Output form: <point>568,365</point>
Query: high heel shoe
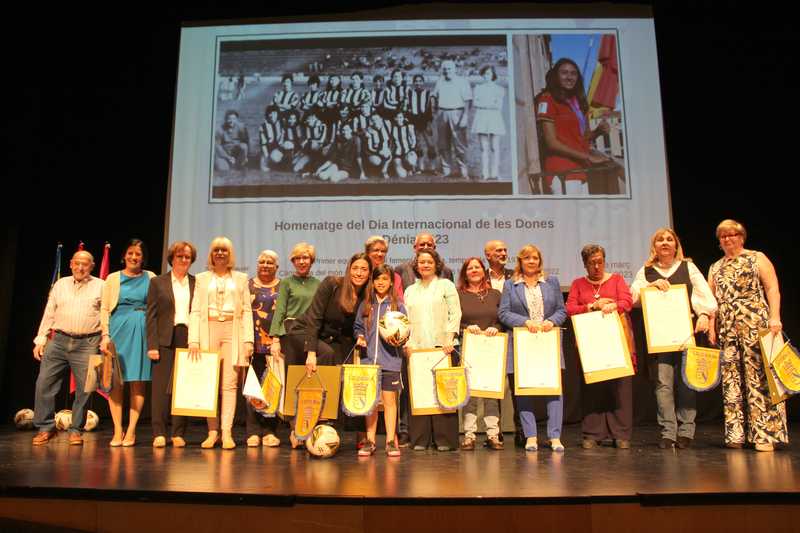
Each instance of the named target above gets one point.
<point>227,441</point>
<point>211,440</point>
<point>128,442</point>
<point>116,443</point>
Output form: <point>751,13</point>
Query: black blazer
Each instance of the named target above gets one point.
<point>161,310</point>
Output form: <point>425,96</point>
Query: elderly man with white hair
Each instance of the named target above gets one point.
<point>453,96</point>
<point>72,317</point>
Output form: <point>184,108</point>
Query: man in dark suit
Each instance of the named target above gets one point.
<point>169,301</point>
<point>423,241</point>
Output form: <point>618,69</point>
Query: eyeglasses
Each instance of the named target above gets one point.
<point>729,236</point>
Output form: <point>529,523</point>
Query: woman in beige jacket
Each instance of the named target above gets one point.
<point>221,321</point>
<point>122,319</point>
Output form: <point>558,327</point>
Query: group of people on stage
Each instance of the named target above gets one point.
<point>346,130</point>
<point>301,320</point>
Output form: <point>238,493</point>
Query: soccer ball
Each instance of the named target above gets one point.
<point>63,419</point>
<point>394,328</point>
<point>91,421</point>
<point>24,419</point>
<point>323,442</point>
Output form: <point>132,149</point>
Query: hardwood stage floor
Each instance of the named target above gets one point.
<point>282,476</point>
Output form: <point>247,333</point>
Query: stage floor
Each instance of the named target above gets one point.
<point>285,477</point>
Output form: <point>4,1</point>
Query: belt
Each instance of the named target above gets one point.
<point>221,318</point>
<point>451,108</point>
<point>78,336</point>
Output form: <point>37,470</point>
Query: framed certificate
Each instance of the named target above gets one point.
<point>485,360</point>
<point>602,346</point>
<point>421,382</point>
<point>667,319</point>
<point>331,378</point>
<point>195,384</point>
<point>771,345</point>
<point>537,362</point>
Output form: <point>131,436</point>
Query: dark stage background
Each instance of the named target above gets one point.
<point>88,106</point>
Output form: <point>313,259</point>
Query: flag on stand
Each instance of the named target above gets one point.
<point>57,267</point>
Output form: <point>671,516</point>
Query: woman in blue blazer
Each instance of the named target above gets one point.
<point>533,300</point>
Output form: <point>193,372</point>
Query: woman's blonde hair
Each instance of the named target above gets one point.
<point>524,252</point>
<point>731,225</point>
<point>678,248</point>
<point>303,248</point>
<point>221,242</point>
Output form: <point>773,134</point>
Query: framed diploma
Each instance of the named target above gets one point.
<point>421,382</point>
<point>537,362</point>
<point>331,378</point>
<point>771,346</point>
<point>602,346</point>
<point>195,384</point>
<point>667,319</point>
<point>485,361</point>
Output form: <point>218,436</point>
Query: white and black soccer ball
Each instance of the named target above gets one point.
<point>24,419</point>
<point>394,328</point>
<point>91,421</point>
<point>63,419</point>
<point>323,442</point>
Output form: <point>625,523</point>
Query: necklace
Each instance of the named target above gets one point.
<point>595,288</point>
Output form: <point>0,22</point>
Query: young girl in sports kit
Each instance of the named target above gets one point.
<point>380,299</point>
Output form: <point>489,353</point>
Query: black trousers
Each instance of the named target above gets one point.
<point>258,424</point>
<point>161,387</point>
<point>426,430</point>
<point>608,409</point>
<point>330,352</point>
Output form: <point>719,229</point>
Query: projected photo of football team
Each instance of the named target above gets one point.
<point>570,130</point>
<point>378,116</point>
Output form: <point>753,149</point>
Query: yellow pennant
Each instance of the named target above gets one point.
<point>700,368</point>
<point>787,367</point>
<point>360,389</point>
<point>452,388</point>
<point>271,389</point>
<point>309,406</point>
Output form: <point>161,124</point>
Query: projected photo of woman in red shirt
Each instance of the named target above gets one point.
<point>561,111</point>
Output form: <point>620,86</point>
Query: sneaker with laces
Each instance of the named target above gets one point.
<point>392,450</point>
<point>367,449</point>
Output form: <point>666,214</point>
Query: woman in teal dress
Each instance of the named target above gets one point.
<point>122,317</point>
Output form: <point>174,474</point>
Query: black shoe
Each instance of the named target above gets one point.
<point>684,442</point>
<point>666,444</point>
<point>402,440</point>
<point>519,440</point>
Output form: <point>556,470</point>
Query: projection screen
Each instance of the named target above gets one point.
<point>290,132</point>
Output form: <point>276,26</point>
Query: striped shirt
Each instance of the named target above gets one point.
<point>269,133</point>
<point>311,100</point>
<point>72,307</point>
<point>292,134</point>
<point>377,140</point>
<point>332,98</point>
<point>317,133</point>
<point>335,130</point>
<point>360,123</point>
<point>286,100</point>
<point>404,139</point>
<point>394,97</point>
<point>377,98</point>
<point>419,103</point>
<point>356,97</point>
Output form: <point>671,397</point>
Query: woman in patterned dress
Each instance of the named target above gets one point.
<point>263,299</point>
<point>746,288</point>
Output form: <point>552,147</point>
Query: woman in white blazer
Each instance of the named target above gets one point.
<point>221,321</point>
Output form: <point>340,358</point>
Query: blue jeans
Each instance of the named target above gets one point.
<point>555,415</point>
<point>59,353</point>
